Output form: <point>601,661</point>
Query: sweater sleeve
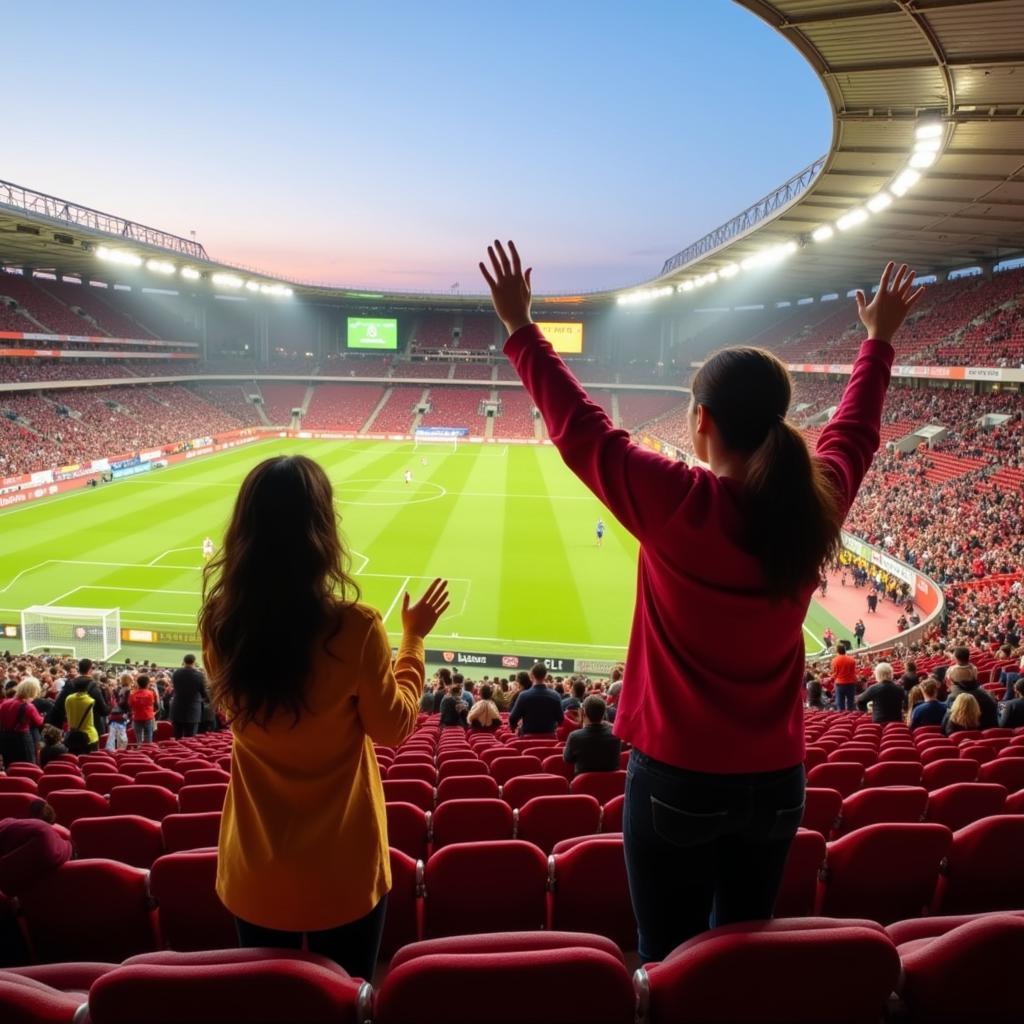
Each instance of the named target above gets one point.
<point>641,488</point>
<point>849,441</point>
<point>389,694</point>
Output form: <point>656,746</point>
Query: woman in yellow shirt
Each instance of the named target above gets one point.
<point>306,675</point>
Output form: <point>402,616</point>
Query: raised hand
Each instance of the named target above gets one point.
<point>510,287</point>
<point>884,314</point>
<point>419,619</point>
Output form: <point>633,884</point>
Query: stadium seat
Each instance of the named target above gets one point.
<point>127,838</point>
<point>939,774</point>
<point>821,810</point>
<point>114,893</point>
<point>425,772</point>
<point>161,777</point>
<point>907,754</point>
<point>581,982</point>
<point>1006,771</point>
<point>958,805</point>
<point>1015,803</point>
<point>150,801</point>
<point>883,872</point>
<point>519,790</point>
<point>798,891</point>
<point>863,756</point>
<point>982,870</point>
<point>58,766</point>
<point>938,752</point>
<point>202,776</point>
<point>46,993</point>
<point>882,803</point>
<point>71,804</point>
<point>52,783</point>
<point>105,782</point>
<point>949,976</point>
<point>843,776</point>
<point>611,814</point>
<point>602,786</point>
<point>546,819</point>
<point>231,986</point>
<point>191,915</point>
<point>485,887</point>
<point>17,805</point>
<point>413,791</point>
<point>467,787</point>
<point>466,821</point>
<point>401,921</point>
<point>14,784</point>
<point>556,764</point>
<point>408,829</point>
<point>700,981</point>
<point>590,891</point>
<point>893,773</point>
<point>25,771</point>
<point>508,767</point>
<point>208,797</point>
<point>190,831</point>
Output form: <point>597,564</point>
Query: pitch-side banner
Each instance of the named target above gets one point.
<point>992,373</point>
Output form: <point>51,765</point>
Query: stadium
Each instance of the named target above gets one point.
<point>142,382</point>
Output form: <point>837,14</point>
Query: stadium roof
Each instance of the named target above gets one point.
<point>888,67</point>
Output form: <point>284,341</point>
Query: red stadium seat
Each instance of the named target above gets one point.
<point>1006,771</point>
<point>699,981</point>
<point>958,805</point>
<point>161,777</point>
<point>116,891</point>
<point>202,776</point>
<point>843,776</point>
<point>17,805</point>
<point>190,831</point>
<point>508,767</point>
<point>401,920</point>
<point>150,801</point>
<point>46,993</point>
<point>939,774</point>
<point>408,829</point>
<point>611,814</point>
<point>127,838</point>
<point>425,772</point>
<point>461,767</point>
<point>982,871</point>
<point>413,791</point>
<point>208,797</point>
<point>191,914</point>
<point>14,784</point>
<point>519,790</point>
<point>580,983</point>
<point>798,891</point>
<point>1015,803</point>
<point>461,895</point>
<point>546,819</point>
<point>603,786</point>
<point>71,804</point>
<point>882,803</point>
<point>467,787</point>
<point>854,880</point>
<point>51,783</point>
<point>556,764</point>
<point>25,771</point>
<point>594,865</point>
<point>853,755</point>
<point>821,810</point>
<point>105,782</point>
<point>893,773</point>
<point>467,821</point>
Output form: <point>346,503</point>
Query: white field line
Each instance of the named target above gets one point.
<point>395,599</point>
<point>171,551</point>
<point>817,640</point>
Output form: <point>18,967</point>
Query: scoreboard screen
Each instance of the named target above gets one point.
<point>564,337</point>
<point>372,334</point>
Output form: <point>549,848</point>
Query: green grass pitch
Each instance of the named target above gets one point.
<point>509,526</point>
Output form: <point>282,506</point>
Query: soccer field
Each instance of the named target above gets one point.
<point>509,526</point>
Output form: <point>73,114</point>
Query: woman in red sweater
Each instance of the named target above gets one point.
<point>715,786</point>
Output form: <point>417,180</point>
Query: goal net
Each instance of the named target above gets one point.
<point>85,632</point>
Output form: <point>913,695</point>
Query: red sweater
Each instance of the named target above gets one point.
<point>714,674</point>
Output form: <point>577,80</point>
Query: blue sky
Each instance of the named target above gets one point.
<point>382,144</point>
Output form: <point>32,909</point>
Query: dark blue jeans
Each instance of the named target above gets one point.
<point>354,946</point>
<point>845,694</point>
<point>704,850</point>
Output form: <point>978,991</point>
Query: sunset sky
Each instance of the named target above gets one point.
<point>382,144</point>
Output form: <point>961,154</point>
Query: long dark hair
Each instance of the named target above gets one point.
<point>794,514</point>
<point>275,585</point>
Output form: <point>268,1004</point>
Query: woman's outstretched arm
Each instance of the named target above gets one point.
<point>642,489</point>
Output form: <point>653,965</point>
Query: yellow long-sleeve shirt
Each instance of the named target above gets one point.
<point>303,838</point>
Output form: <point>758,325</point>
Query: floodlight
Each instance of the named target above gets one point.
<point>928,146</point>
<point>879,202</point>
<point>905,182</point>
<point>923,159</point>
<point>929,130</point>
<point>822,234</point>
<point>190,273</point>
<point>253,286</point>
<point>128,259</point>
<point>852,219</point>
<point>226,281</point>
<point>160,266</point>
<point>729,270</point>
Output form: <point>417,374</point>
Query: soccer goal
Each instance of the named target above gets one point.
<point>85,632</point>
<point>438,442</point>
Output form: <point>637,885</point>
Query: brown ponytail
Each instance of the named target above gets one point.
<point>793,511</point>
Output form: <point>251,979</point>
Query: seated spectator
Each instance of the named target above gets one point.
<point>484,713</point>
<point>815,694</point>
<point>1008,677</point>
<point>910,677</point>
<point>1012,715</point>
<point>18,715</point>
<point>53,745</point>
<point>964,714</point>
<point>593,748</point>
<point>453,708</point>
<point>614,690</point>
<point>537,708</point>
<point>931,710</point>
<point>887,699</point>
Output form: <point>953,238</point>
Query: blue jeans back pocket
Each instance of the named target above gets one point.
<point>687,828</point>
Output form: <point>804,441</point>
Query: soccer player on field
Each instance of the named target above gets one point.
<point>600,532</point>
<point>207,549</point>
<point>408,476</point>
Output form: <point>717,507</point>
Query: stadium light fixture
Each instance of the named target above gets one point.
<point>822,234</point>
<point>729,270</point>
<point>923,159</point>
<point>879,202</point>
<point>631,298</point>
<point>686,286</point>
<point>128,259</point>
<point>929,130</point>
<point>905,182</point>
<point>226,281</point>
<point>160,267</point>
<point>852,219</point>
<point>928,146</point>
<point>252,286</point>
<point>190,273</point>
